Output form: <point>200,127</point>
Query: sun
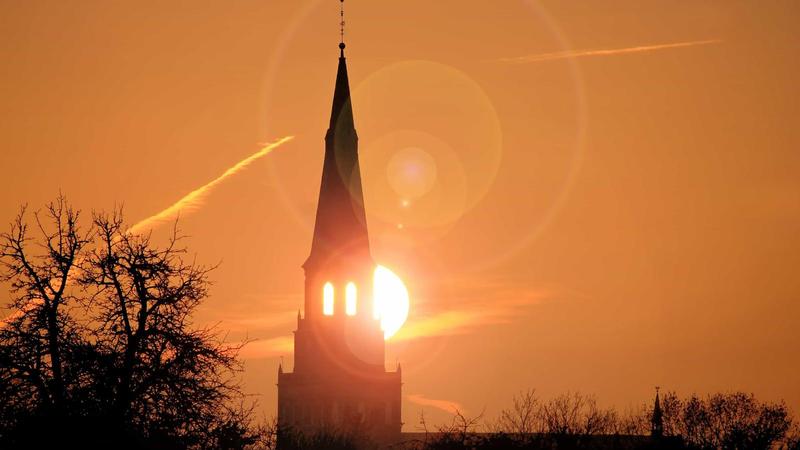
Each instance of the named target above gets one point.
<point>391,301</point>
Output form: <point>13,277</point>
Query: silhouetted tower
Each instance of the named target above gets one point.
<point>339,381</point>
<point>657,420</point>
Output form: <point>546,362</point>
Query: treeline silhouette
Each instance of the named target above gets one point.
<point>575,421</point>
<point>97,349</point>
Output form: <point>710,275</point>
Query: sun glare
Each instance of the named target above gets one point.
<point>391,301</point>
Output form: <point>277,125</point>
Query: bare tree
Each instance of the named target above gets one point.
<point>163,374</point>
<point>100,350</point>
<point>576,414</point>
<point>460,433</point>
<point>634,421</point>
<point>735,420</point>
<point>672,411</point>
<point>524,417</point>
<point>792,439</point>
<point>36,337</point>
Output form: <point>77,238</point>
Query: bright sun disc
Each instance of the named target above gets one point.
<point>391,301</point>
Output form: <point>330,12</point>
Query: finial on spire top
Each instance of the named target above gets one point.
<point>341,29</point>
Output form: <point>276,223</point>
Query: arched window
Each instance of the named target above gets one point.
<point>350,295</point>
<point>327,299</point>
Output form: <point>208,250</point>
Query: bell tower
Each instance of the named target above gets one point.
<point>339,383</point>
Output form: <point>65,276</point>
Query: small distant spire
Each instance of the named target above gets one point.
<point>341,29</point>
<point>657,419</point>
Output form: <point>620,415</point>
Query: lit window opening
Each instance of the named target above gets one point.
<point>327,299</point>
<point>350,299</point>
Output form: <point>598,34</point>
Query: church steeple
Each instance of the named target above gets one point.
<point>657,419</point>
<point>339,379</point>
<point>340,231</point>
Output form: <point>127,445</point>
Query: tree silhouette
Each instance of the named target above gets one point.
<point>39,339</point>
<point>525,416</point>
<point>735,421</point>
<point>577,414</point>
<point>100,349</point>
<point>163,375</point>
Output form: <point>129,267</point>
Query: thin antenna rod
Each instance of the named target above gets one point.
<point>341,24</point>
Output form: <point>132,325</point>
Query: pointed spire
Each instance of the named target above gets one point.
<point>340,230</point>
<point>342,110</point>
<point>657,420</point>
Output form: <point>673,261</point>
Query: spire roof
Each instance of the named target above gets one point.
<point>342,110</point>
<point>340,231</point>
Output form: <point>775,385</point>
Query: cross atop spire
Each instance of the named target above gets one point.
<point>341,25</point>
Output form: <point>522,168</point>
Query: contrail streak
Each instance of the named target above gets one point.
<point>194,199</point>
<point>604,52</point>
<point>33,303</point>
<point>445,405</point>
<point>190,202</point>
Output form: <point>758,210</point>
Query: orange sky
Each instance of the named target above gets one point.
<point>608,196</point>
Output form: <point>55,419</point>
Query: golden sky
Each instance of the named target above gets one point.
<point>606,195</point>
